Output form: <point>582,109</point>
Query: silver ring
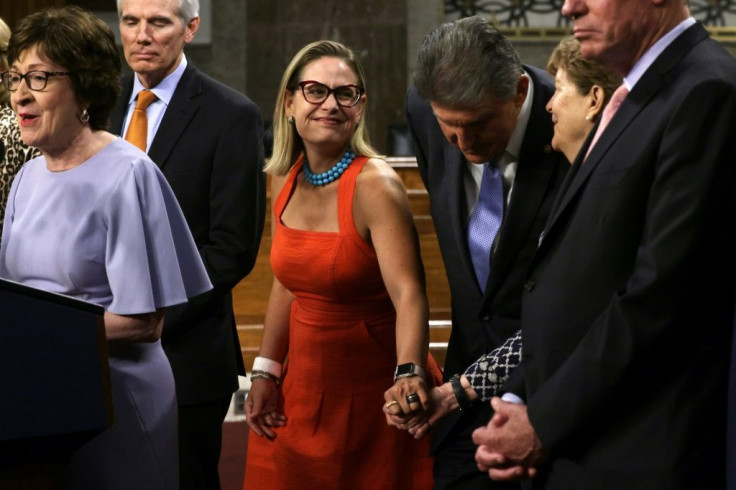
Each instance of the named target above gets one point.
<point>412,398</point>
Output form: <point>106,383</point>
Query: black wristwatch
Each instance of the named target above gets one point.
<point>408,370</point>
<point>463,400</point>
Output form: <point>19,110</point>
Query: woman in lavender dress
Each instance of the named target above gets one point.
<point>93,218</point>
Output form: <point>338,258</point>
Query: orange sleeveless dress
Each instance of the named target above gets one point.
<point>342,355</point>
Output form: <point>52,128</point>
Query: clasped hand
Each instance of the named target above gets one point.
<point>418,424</point>
<point>408,404</point>
<point>508,447</point>
<point>261,408</point>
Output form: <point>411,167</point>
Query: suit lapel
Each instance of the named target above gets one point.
<point>536,165</point>
<point>454,199</point>
<point>178,114</point>
<point>532,179</point>
<point>632,105</point>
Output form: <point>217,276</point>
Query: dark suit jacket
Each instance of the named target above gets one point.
<point>628,312</point>
<point>442,166</point>
<point>209,147</point>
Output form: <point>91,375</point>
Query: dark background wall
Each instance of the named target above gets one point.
<point>375,30</point>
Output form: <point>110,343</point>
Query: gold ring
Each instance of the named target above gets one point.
<point>391,403</point>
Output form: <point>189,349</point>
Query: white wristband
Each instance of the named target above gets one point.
<point>267,365</point>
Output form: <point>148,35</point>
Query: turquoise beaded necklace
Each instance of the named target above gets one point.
<point>330,175</point>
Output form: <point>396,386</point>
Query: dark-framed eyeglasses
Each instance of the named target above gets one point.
<point>316,93</point>
<point>36,79</point>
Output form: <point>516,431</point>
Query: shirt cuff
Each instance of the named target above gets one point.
<point>511,398</point>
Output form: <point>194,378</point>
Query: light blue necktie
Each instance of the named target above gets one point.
<point>485,222</point>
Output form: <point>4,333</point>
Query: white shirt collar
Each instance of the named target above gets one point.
<point>650,56</point>
<point>513,147</point>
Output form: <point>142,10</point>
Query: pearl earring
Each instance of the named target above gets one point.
<point>291,119</point>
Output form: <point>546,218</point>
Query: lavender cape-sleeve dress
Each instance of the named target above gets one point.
<point>111,232</point>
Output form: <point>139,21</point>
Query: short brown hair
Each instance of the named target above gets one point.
<point>81,43</point>
<point>581,72</point>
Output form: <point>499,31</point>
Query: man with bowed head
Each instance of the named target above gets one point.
<point>628,312</point>
<point>206,138</point>
<point>481,135</point>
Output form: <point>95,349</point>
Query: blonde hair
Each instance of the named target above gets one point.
<point>287,144</point>
<point>4,39</point>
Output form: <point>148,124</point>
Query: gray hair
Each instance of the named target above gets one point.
<point>460,63</point>
<point>186,10</point>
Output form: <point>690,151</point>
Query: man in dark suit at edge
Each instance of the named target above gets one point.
<point>627,314</point>
<point>474,103</point>
<point>207,140</point>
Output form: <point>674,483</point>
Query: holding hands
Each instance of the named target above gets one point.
<point>442,403</point>
<point>443,400</point>
<point>407,401</point>
<point>508,447</point>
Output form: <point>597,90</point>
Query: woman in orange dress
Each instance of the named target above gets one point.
<point>348,304</point>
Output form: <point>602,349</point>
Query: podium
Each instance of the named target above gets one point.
<point>54,378</point>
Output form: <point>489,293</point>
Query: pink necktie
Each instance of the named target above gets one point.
<point>616,99</point>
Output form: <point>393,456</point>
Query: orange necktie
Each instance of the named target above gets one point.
<point>138,127</point>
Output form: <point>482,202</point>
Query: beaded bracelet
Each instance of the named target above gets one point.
<point>263,375</point>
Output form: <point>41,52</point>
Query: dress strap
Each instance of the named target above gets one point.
<point>287,190</point>
<point>345,193</point>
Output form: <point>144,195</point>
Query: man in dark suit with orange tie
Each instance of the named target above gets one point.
<point>482,141</point>
<point>628,308</point>
<point>207,140</point>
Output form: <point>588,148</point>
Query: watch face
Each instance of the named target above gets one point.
<point>405,369</point>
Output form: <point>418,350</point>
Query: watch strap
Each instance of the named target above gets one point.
<point>463,400</point>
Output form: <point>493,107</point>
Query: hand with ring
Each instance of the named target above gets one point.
<point>412,398</point>
<point>407,402</point>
